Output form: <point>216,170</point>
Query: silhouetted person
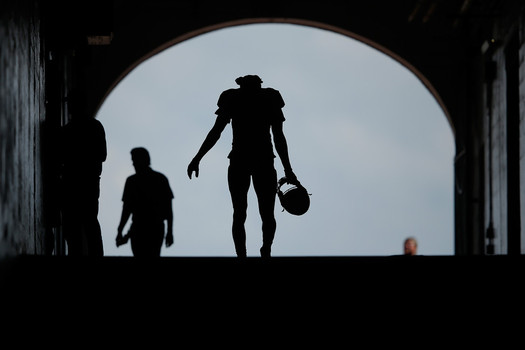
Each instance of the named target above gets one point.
<point>253,112</point>
<point>410,246</point>
<point>147,196</point>
<point>83,150</point>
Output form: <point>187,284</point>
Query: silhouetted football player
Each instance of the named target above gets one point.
<point>254,113</point>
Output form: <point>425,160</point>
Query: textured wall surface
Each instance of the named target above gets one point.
<point>21,114</point>
<point>496,164</point>
<point>521,132</point>
<point>498,156</point>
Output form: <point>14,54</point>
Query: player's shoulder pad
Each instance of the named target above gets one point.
<point>226,96</point>
<point>275,95</point>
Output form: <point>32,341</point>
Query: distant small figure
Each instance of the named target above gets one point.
<point>148,197</point>
<point>410,246</point>
<point>83,150</point>
<point>255,114</point>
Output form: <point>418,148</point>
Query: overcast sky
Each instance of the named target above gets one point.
<point>365,137</point>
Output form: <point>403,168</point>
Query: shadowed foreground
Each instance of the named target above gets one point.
<point>304,296</point>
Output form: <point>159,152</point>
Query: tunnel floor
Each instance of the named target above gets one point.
<point>330,276</point>
<point>312,297</point>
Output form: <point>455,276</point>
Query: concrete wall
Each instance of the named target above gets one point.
<point>496,163</point>
<point>504,166</point>
<point>21,115</point>
<point>521,129</point>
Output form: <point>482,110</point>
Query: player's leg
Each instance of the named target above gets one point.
<point>265,185</point>
<point>239,183</point>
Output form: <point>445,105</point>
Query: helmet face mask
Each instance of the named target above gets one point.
<point>294,200</point>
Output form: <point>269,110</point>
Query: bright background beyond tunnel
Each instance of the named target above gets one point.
<point>366,138</point>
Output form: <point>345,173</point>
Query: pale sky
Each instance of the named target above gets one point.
<point>365,137</point>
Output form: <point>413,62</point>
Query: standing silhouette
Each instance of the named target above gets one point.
<point>83,150</point>
<point>253,112</point>
<point>147,196</point>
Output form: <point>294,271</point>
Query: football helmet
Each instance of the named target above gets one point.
<point>296,199</point>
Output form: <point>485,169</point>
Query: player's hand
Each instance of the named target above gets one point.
<point>120,239</point>
<point>290,177</point>
<point>169,239</point>
<point>193,167</point>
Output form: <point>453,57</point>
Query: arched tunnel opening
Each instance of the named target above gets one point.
<point>467,56</point>
<point>366,137</point>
